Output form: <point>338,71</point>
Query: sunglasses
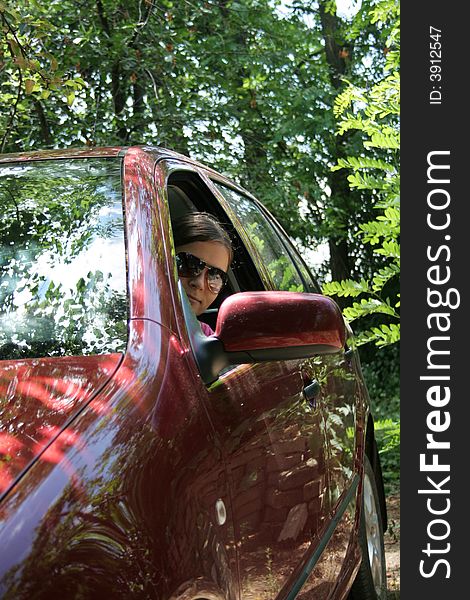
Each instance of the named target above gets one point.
<point>189,265</point>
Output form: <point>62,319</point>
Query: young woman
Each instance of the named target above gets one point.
<point>203,255</point>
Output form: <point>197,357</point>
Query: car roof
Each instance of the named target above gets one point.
<point>157,153</point>
<point>93,152</point>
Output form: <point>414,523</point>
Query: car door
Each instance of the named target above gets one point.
<point>326,420</point>
<point>271,435</point>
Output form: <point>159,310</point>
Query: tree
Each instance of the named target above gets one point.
<point>375,113</point>
<point>30,74</point>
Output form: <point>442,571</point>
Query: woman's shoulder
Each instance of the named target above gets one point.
<point>206,329</point>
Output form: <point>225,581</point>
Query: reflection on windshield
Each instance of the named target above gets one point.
<point>62,259</point>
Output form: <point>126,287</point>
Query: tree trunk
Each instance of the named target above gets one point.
<point>337,57</point>
<point>43,123</point>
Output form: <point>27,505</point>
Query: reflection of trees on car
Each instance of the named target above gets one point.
<point>115,514</point>
<point>91,518</point>
<point>280,269</point>
<point>58,296</point>
<point>87,320</point>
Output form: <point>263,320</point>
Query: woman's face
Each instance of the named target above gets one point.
<point>214,254</point>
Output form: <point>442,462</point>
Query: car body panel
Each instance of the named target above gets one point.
<point>277,469</point>
<point>150,295</point>
<point>324,572</point>
<point>39,397</point>
<point>140,465</point>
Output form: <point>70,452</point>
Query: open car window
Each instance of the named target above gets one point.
<point>187,192</point>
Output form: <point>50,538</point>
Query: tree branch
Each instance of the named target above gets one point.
<point>102,17</point>
<point>20,85</point>
<point>45,130</point>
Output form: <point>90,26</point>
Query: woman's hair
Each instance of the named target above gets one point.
<point>200,227</point>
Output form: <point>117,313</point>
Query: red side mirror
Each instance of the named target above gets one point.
<point>272,321</point>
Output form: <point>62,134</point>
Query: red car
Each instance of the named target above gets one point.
<point>140,458</point>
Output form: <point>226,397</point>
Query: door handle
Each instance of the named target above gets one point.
<point>311,392</point>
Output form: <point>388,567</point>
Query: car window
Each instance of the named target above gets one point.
<point>62,259</point>
<point>187,192</point>
<point>307,277</point>
<point>274,256</point>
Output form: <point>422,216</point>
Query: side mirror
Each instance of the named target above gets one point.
<point>280,325</point>
<point>261,326</point>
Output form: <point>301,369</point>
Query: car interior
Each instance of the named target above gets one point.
<point>188,193</point>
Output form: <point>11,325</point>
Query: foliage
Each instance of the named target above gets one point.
<point>30,71</point>
<point>388,439</point>
<point>374,112</point>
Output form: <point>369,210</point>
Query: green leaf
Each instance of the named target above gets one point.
<point>384,275</point>
<point>366,307</point>
<point>347,287</point>
<point>363,162</point>
<point>390,141</point>
<point>29,85</point>
<point>390,249</point>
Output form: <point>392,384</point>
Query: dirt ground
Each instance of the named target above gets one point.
<point>392,547</point>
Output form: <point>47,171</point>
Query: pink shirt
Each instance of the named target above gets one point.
<point>206,330</point>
